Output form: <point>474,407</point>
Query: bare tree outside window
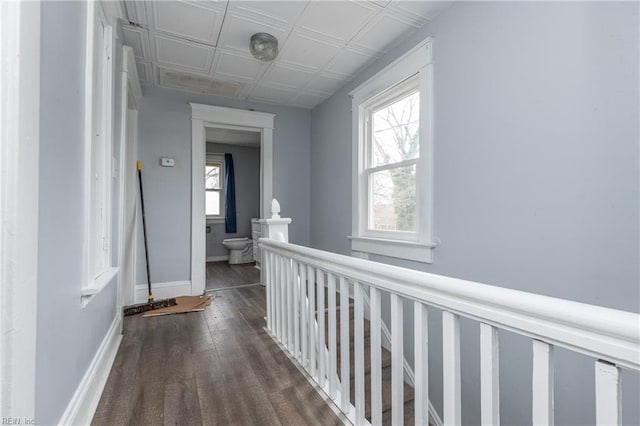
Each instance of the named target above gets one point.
<point>213,188</point>
<point>395,150</point>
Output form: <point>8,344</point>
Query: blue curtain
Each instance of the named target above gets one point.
<point>229,196</point>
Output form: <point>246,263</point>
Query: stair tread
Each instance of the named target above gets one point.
<point>386,359</point>
<point>409,394</point>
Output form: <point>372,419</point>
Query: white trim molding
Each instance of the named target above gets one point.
<point>85,400</point>
<point>19,188</point>
<point>164,290</point>
<point>410,73</point>
<point>130,95</point>
<point>203,116</point>
<point>98,149</point>
<point>409,250</point>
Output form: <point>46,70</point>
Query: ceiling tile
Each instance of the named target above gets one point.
<point>136,12</point>
<point>182,54</point>
<point>307,51</point>
<point>235,66</point>
<point>196,21</point>
<point>238,29</point>
<point>339,20</point>
<point>349,61</point>
<point>285,12</point>
<point>196,83</point>
<point>288,76</point>
<point>326,84</point>
<point>426,10</point>
<point>138,39</point>
<point>271,94</point>
<point>372,38</point>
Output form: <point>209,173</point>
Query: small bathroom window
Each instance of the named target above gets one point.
<point>214,187</point>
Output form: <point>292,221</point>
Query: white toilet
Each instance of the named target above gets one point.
<point>240,250</point>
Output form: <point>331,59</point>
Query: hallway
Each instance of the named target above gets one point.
<point>222,275</point>
<point>215,367</point>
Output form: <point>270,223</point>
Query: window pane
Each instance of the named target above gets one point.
<point>212,176</point>
<point>212,202</point>
<point>393,199</point>
<point>396,131</point>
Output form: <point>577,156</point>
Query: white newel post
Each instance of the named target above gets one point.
<point>275,228</point>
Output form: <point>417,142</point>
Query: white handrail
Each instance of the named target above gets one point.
<point>600,332</point>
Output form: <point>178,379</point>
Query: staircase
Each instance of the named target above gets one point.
<point>294,275</point>
<point>386,372</point>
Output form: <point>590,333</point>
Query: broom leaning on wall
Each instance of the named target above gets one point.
<point>151,304</point>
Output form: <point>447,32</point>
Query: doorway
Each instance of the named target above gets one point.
<point>209,118</point>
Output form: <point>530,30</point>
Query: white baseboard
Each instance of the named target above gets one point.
<point>218,258</point>
<point>163,290</point>
<point>85,400</point>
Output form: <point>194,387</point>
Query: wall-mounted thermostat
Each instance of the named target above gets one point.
<point>167,162</point>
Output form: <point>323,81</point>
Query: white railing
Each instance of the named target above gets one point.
<point>296,278</point>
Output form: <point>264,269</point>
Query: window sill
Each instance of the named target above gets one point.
<point>409,250</point>
<point>96,286</point>
<point>215,220</point>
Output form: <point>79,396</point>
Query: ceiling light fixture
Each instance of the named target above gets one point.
<point>264,46</point>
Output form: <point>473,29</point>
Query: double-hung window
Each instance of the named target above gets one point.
<point>392,211</point>
<point>98,269</point>
<point>214,188</point>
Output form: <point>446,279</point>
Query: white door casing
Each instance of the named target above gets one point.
<point>19,157</point>
<point>203,116</point>
<point>130,95</point>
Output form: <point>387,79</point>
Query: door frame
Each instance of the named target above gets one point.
<point>130,95</point>
<point>19,192</point>
<point>203,116</point>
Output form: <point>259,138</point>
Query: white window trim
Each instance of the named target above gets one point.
<point>417,246</point>
<point>94,281</point>
<point>218,158</point>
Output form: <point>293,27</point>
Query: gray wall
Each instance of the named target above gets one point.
<point>165,130</point>
<point>68,336</point>
<point>535,176</point>
<point>246,165</point>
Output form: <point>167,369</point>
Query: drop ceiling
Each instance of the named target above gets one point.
<point>204,46</point>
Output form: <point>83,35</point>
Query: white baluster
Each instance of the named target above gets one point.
<point>290,304</point>
<point>312,320</point>
<point>359,351</point>
<point>421,346</point>
<point>608,406</point>
<point>376,358</point>
<point>322,368</point>
<point>345,376</point>
<point>397,361</point>
<point>277,285</point>
<point>296,310</point>
<point>542,404</point>
<point>283,298</point>
<point>333,344</point>
<point>267,283</point>
<point>489,375</point>
<point>304,310</point>
<point>451,369</point>
<point>274,287</point>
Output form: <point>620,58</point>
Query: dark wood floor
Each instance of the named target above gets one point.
<point>216,367</point>
<point>223,275</point>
